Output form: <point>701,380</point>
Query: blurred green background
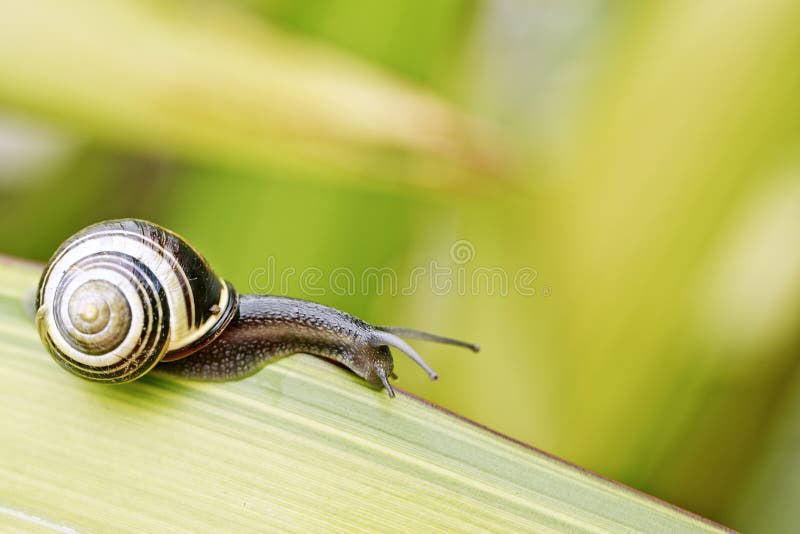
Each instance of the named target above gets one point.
<point>639,161</point>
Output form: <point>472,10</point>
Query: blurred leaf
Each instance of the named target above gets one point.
<point>768,502</point>
<point>211,84</point>
<point>417,38</point>
<point>685,124</point>
<point>302,445</point>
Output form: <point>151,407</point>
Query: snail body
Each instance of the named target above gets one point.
<point>122,297</point>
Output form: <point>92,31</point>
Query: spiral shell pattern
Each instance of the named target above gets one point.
<point>120,296</point>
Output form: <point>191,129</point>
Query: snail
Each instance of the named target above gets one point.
<point>122,297</point>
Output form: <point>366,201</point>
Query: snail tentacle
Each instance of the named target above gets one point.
<point>380,338</point>
<point>413,333</point>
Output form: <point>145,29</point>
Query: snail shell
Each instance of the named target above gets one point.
<point>120,296</point>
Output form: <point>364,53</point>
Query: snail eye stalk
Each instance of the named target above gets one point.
<point>427,336</point>
<point>391,340</point>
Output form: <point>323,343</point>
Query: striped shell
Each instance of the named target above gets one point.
<point>120,296</point>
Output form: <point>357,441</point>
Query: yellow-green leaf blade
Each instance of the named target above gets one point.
<point>216,85</point>
<point>302,446</point>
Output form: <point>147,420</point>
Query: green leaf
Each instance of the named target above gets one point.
<point>303,445</point>
<point>216,85</point>
<point>768,502</point>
